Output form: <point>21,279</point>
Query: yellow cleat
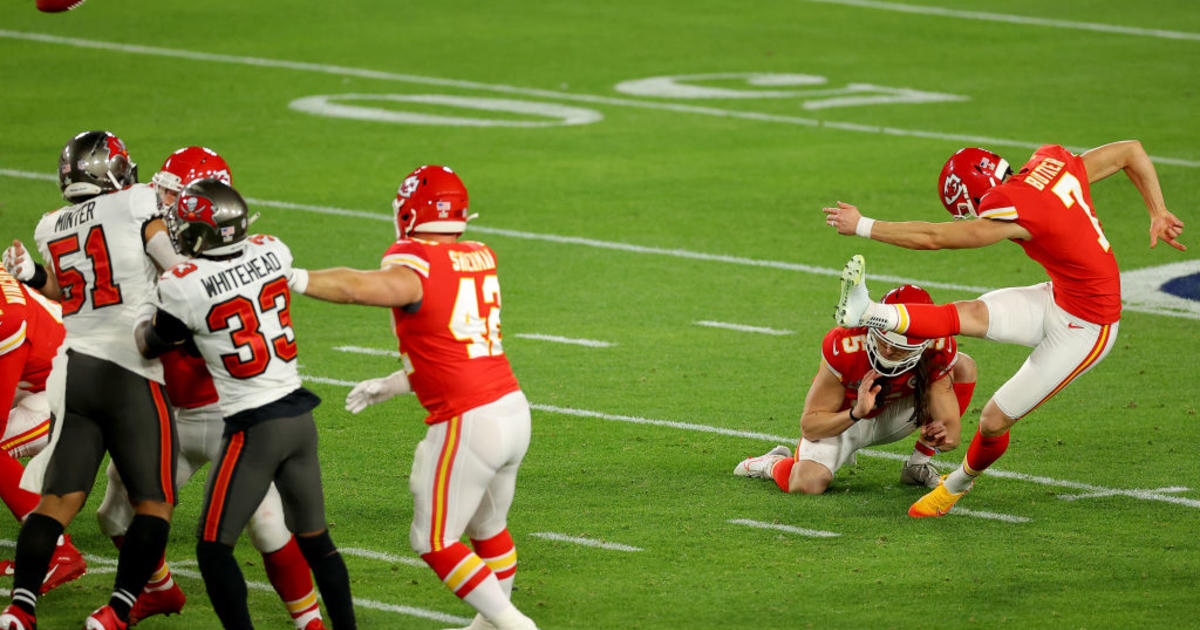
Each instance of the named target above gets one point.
<point>935,503</point>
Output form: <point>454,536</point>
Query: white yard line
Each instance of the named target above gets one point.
<point>591,343</point>
<point>744,328</point>
<point>371,351</point>
<point>550,94</point>
<point>379,555</point>
<point>587,542</point>
<point>811,533</point>
<point>1016,19</point>
<point>1007,518</point>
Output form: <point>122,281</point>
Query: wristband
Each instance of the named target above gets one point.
<point>39,277</point>
<point>298,282</point>
<point>864,226</point>
<point>851,412</point>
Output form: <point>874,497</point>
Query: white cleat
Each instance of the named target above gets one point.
<point>760,467</point>
<point>478,623</point>
<point>919,475</point>
<point>852,305</point>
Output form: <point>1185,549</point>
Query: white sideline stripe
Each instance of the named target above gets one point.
<point>1007,518</point>
<point>327,381</point>
<point>371,351</point>
<point>744,328</point>
<point>1110,493</point>
<point>510,89</point>
<point>379,555</point>
<point>591,343</point>
<point>587,542</point>
<point>1016,19</point>
<point>639,249</point>
<point>812,533</point>
<point>109,566</point>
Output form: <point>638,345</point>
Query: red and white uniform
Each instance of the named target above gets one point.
<point>31,330</point>
<point>464,471</point>
<point>1071,321</point>
<point>844,354</point>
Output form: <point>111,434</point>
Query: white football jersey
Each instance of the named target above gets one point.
<point>237,310</point>
<point>95,251</point>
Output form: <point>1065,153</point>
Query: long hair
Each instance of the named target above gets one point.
<point>921,415</point>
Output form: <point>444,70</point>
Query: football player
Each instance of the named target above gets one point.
<point>100,252</point>
<point>1071,322</point>
<point>230,300</point>
<point>445,300</point>
<point>199,424</point>
<point>31,330</point>
<point>874,387</point>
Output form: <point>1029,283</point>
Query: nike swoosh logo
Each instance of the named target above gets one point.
<point>50,573</point>
<point>1073,325</point>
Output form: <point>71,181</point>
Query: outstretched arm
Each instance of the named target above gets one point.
<point>921,234</point>
<point>393,286</point>
<point>1129,156</point>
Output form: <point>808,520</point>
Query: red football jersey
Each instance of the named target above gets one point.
<point>1051,198</point>
<point>450,340</point>
<point>845,353</point>
<point>189,385</point>
<point>31,330</point>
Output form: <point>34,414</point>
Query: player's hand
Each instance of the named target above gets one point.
<point>17,261</point>
<point>844,217</point>
<point>1168,227</point>
<point>377,390</point>
<point>934,434</point>
<point>867,390</point>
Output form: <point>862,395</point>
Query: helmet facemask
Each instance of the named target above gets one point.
<point>891,353</point>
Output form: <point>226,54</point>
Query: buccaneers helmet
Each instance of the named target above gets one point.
<point>967,176</point>
<point>209,218</point>
<point>182,168</point>
<point>93,163</point>
<point>892,353</point>
<point>431,199</point>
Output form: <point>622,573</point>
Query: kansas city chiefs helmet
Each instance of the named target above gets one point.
<point>210,218</point>
<point>966,177</point>
<point>431,199</point>
<point>891,353</point>
<point>185,166</point>
<point>93,163</point>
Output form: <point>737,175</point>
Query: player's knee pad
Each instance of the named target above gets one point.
<point>115,511</point>
<point>27,430</point>
<point>267,528</point>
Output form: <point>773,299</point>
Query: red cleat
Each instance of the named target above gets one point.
<point>166,600</point>
<point>57,6</point>
<point>65,565</point>
<point>313,624</point>
<point>7,569</point>
<point>15,618</point>
<point>105,619</point>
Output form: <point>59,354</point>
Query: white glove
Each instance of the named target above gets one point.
<point>18,262</point>
<point>377,390</point>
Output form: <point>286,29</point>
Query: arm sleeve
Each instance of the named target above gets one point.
<point>165,333</point>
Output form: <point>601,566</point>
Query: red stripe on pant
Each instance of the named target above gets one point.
<point>1093,356</point>
<point>216,503</point>
<point>441,483</point>
<point>166,470</point>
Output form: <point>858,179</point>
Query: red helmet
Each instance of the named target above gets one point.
<point>186,166</point>
<point>892,353</point>
<point>431,199</point>
<point>966,177</point>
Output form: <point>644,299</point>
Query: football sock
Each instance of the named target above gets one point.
<point>782,473</point>
<point>20,502</point>
<point>927,321</point>
<point>921,454</point>
<point>963,392</point>
<point>288,572</point>
<point>332,578</point>
<point>161,578</point>
<point>35,546</point>
<point>982,452</point>
<point>500,555</point>
<point>225,585</point>
<point>143,550</point>
<point>466,575</point>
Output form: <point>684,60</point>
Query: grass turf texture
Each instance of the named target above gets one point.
<point>676,180</point>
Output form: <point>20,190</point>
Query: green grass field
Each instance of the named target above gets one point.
<point>656,211</point>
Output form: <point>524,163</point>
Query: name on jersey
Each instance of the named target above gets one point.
<point>1044,173</point>
<point>11,287</point>
<point>71,218</point>
<point>481,260</point>
<point>241,274</point>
